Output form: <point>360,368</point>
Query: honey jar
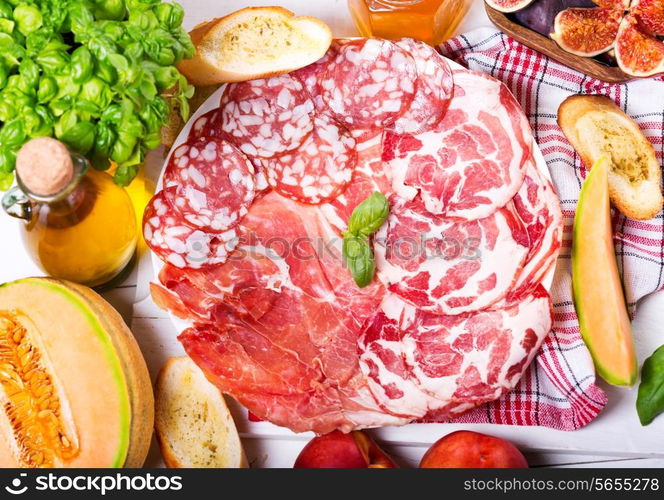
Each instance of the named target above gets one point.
<point>432,21</point>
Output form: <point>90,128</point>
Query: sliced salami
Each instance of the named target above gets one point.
<point>444,266</point>
<point>435,86</point>
<point>368,84</point>
<point>266,118</point>
<point>177,243</point>
<point>206,125</point>
<point>320,170</point>
<point>214,183</point>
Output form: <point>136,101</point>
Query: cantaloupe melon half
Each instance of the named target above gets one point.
<point>598,291</point>
<point>74,388</point>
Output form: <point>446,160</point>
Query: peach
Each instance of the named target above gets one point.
<point>467,449</point>
<point>336,450</point>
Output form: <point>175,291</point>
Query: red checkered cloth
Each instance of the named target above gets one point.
<point>559,390</point>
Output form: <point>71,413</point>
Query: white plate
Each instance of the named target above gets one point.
<point>258,429</point>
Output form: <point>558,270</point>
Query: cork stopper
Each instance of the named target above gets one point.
<point>44,166</point>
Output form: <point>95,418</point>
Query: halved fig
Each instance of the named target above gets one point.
<point>613,4</point>
<point>587,32</point>
<point>508,5</point>
<point>650,13</point>
<point>637,52</point>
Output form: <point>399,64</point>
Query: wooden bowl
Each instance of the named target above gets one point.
<point>540,43</point>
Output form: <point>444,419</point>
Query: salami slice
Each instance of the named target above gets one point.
<point>320,170</point>
<point>207,125</point>
<point>435,86</point>
<point>369,84</point>
<point>266,118</point>
<point>179,244</point>
<point>214,183</point>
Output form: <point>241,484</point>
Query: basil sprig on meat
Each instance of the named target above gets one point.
<point>365,220</point>
<point>650,401</point>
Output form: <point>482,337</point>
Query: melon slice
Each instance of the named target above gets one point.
<point>74,388</point>
<point>598,292</point>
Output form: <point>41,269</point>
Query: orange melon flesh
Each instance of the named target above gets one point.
<point>90,388</point>
<point>598,291</point>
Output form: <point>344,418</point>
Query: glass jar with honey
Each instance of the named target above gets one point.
<point>78,224</point>
<point>432,21</point>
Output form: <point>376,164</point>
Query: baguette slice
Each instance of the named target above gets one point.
<point>595,126</point>
<point>255,42</point>
<point>193,424</point>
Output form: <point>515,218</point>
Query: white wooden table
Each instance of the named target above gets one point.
<point>152,326</point>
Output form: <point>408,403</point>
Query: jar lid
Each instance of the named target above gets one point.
<point>44,166</point>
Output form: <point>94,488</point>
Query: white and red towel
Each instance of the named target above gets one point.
<point>559,389</point>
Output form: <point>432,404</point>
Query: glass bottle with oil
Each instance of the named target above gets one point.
<point>432,21</point>
<point>78,224</point>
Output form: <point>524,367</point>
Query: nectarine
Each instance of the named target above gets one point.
<point>336,450</point>
<point>467,449</point>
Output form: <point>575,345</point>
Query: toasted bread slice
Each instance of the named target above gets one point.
<point>193,424</point>
<point>594,125</point>
<point>255,42</point>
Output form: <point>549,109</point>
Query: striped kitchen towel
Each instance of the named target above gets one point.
<point>560,390</point>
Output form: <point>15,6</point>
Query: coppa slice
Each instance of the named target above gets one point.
<point>538,207</point>
<point>598,292</point>
<point>368,84</point>
<point>422,364</point>
<point>265,118</point>
<point>174,241</point>
<point>475,162</point>
<point>212,183</point>
<point>319,170</point>
<point>75,389</point>
<point>434,85</point>
<point>448,267</point>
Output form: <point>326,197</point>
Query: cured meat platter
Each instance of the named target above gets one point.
<point>368,398</point>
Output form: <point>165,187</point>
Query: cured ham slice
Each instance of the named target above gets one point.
<point>420,364</point>
<point>212,183</point>
<point>475,162</point>
<point>449,267</point>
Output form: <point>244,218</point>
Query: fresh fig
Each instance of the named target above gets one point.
<point>650,13</point>
<point>613,4</point>
<point>539,16</point>
<point>637,52</point>
<point>508,5</point>
<point>587,32</point>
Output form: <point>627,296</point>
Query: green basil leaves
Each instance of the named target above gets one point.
<point>650,400</point>
<point>100,75</point>
<point>366,219</point>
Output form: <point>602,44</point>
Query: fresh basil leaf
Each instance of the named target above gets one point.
<point>13,134</point>
<point>28,17</point>
<point>359,259</point>
<point>6,180</point>
<point>368,216</point>
<point>81,137</point>
<point>650,400</point>
<point>47,89</point>
<point>82,65</point>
